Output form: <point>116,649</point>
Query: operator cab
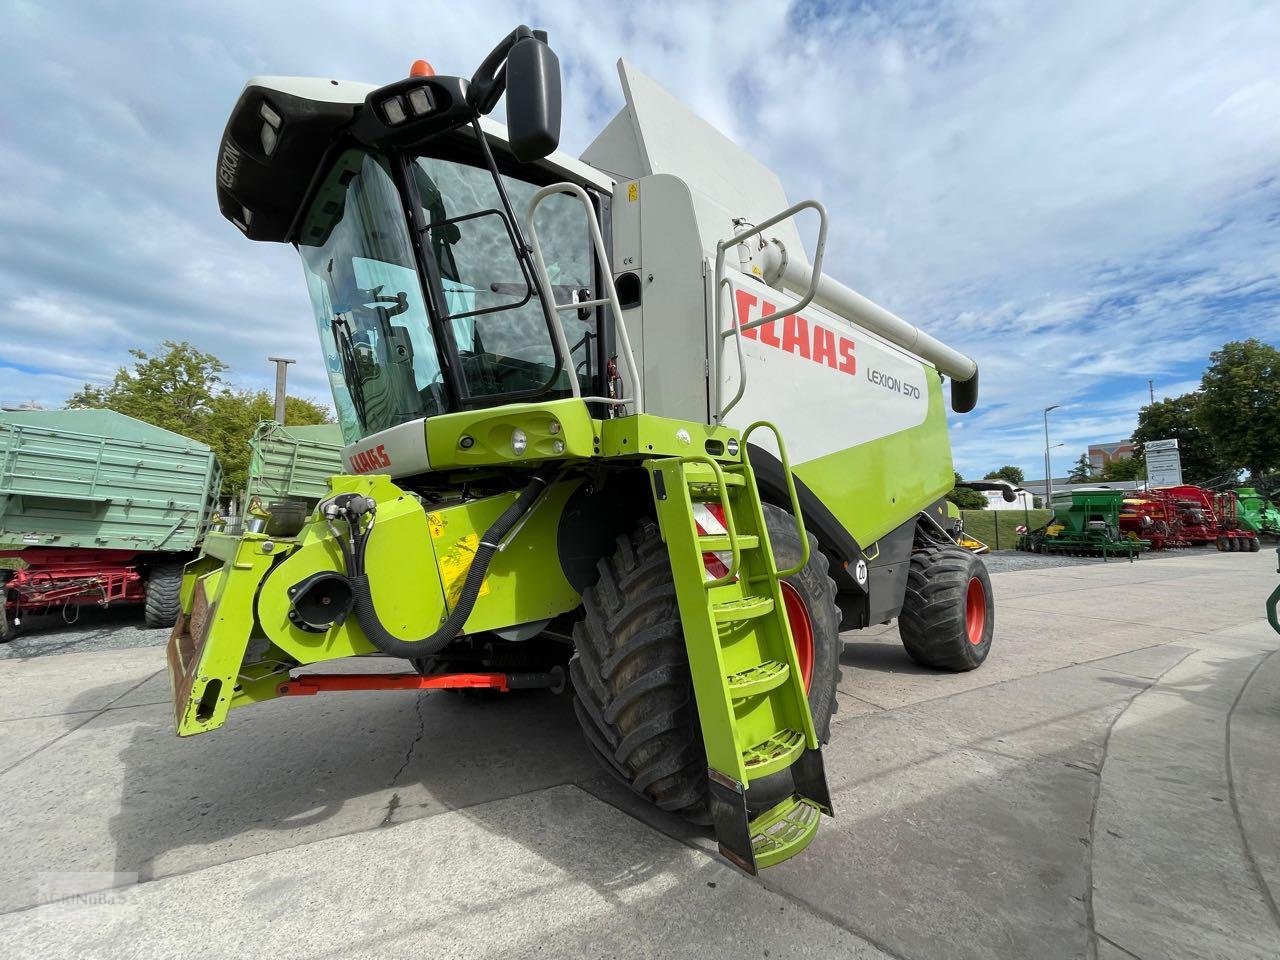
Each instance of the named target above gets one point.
<point>424,291</point>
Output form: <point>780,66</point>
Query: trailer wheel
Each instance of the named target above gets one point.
<point>948,616</point>
<point>1254,545</point>
<point>633,693</point>
<point>163,587</point>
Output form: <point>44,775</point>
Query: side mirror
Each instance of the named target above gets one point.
<point>533,99</point>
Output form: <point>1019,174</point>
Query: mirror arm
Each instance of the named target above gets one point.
<point>490,78</point>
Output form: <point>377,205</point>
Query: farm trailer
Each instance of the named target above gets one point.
<point>98,509</point>
<point>568,389</point>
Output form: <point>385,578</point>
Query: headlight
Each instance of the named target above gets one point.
<point>518,442</point>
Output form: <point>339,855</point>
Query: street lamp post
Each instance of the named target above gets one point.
<point>1048,467</point>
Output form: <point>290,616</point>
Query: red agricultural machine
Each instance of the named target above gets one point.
<point>1153,515</point>
<point>1233,534</point>
<point>1193,507</point>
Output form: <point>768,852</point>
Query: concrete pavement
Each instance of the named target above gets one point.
<point>1105,786</point>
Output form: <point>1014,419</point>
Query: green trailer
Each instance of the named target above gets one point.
<point>293,463</point>
<point>98,508</point>
<point>1086,523</point>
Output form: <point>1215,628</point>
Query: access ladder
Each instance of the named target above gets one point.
<point>751,697</point>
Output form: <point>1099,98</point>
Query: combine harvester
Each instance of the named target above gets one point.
<point>553,378</point>
<point>1085,523</point>
<point>100,509</point>
<point>1259,512</point>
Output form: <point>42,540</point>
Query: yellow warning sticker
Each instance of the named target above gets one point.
<point>454,564</point>
<point>633,192</point>
<point>436,524</point>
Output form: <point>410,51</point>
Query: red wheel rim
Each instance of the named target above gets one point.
<point>975,611</point>
<point>801,630</point>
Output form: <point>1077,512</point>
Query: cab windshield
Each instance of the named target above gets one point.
<point>469,330</point>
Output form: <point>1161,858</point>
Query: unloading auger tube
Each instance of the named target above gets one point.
<point>353,509</point>
<point>796,276</point>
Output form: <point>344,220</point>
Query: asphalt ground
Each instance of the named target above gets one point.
<point>1105,786</point>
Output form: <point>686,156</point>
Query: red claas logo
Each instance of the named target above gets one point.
<point>366,461</point>
<point>815,343</point>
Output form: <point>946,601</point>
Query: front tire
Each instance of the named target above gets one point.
<point>633,692</point>
<point>164,586</point>
<point>948,615</point>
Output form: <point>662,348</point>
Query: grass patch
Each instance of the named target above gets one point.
<point>981,524</point>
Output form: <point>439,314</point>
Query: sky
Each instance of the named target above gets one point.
<point>1082,196</point>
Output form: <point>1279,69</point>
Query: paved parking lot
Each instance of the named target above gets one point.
<point>1106,786</point>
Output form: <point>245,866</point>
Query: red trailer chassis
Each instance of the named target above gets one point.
<point>62,577</point>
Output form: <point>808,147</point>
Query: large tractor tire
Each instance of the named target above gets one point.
<point>164,584</point>
<point>948,616</point>
<point>633,693</point>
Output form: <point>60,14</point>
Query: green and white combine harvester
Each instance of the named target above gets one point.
<point>549,374</point>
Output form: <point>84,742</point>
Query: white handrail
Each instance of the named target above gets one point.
<point>721,281</point>
<point>611,292</point>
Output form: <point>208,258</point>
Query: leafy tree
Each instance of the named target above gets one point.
<point>1126,468</point>
<point>182,390</point>
<point>1240,404</point>
<point>966,499</point>
<point>1013,474</point>
<point>1081,471</point>
<point>172,390</point>
<point>1179,418</point>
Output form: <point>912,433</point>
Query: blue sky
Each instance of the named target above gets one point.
<point>1083,196</point>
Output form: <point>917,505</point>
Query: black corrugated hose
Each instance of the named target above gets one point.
<point>367,615</point>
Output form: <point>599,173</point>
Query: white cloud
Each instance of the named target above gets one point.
<point>1082,195</point>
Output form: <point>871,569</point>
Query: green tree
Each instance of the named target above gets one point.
<point>1179,418</point>
<point>966,499</point>
<point>172,390</point>
<point>1013,474</point>
<point>1082,471</point>
<point>182,390</point>
<point>1126,468</point>
<point>1240,404</point>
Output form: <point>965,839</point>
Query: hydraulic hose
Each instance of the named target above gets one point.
<point>362,597</point>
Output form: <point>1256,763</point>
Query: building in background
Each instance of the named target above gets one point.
<point>996,500</point>
<point>1100,454</point>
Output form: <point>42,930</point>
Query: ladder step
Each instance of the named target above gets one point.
<point>715,544</point>
<point>698,474</point>
<point>784,830</point>
<point>730,611</point>
<point>761,678</point>
<point>777,753</point>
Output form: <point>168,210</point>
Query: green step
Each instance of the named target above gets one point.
<point>761,678</point>
<point>784,830</point>
<point>747,608</point>
<point>720,543</point>
<point>774,754</point>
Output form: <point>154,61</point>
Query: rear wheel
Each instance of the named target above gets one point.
<point>633,693</point>
<point>948,615</point>
<point>1254,545</point>
<point>164,584</point>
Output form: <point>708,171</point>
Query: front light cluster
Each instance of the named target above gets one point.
<point>270,133</point>
<point>419,104</point>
